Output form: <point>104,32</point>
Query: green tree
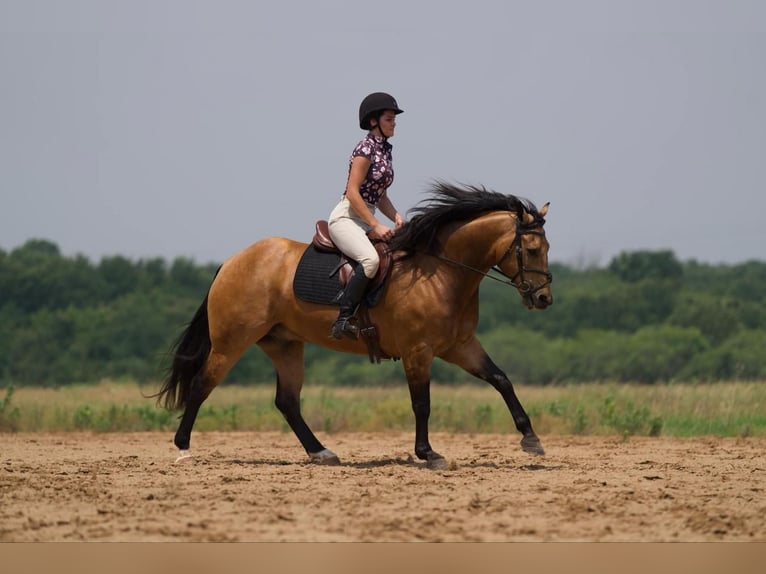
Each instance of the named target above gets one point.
<point>660,353</point>
<point>186,277</point>
<point>712,315</point>
<point>37,353</point>
<point>617,306</point>
<point>120,276</point>
<point>638,265</point>
<point>36,276</point>
<point>739,358</point>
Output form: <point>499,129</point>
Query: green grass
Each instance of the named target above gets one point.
<point>721,409</point>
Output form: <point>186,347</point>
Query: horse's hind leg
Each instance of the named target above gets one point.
<point>216,367</point>
<point>474,359</point>
<point>287,357</point>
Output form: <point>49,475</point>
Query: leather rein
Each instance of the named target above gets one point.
<point>518,280</point>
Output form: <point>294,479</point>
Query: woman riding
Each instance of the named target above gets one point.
<point>352,222</point>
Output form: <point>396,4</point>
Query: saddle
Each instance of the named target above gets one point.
<point>367,329</point>
<point>323,242</point>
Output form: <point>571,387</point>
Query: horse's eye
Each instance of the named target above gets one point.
<point>533,252</point>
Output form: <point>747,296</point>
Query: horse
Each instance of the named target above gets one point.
<point>429,307</point>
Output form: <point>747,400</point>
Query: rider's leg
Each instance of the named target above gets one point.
<point>349,234</point>
<point>349,302</point>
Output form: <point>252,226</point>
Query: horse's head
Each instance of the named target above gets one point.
<point>452,225</point>
<point>526,260</point>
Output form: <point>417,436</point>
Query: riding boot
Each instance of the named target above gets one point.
<point>349,301</point>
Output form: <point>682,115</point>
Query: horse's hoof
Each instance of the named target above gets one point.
<point>183,456</point>
<point>437,462</point>
<point>326,457</point>
<point>532,445</point>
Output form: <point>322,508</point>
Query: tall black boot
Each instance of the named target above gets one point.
<point>349,301</point>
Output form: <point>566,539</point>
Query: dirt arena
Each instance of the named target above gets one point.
<point>260,487</point>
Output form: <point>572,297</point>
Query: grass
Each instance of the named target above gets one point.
<point>721,409</point>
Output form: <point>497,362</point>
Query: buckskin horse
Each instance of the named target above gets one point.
<point>428,307</point>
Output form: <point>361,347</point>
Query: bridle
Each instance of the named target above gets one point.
<point>518,280</point>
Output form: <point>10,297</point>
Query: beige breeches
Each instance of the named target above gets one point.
<point>349,232</point>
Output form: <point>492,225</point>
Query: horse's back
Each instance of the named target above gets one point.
<point>267,251</point>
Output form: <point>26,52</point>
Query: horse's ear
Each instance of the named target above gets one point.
<point>544,209</point>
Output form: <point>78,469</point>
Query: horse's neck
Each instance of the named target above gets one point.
<point>481,242</point>
<point>471,250</point>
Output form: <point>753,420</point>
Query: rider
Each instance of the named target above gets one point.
<point>353,218</point>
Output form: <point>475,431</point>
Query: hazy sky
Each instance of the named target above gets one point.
<point>193,128</point>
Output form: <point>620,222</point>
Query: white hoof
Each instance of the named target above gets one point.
<point>183,455</point>
<point>325,456</point>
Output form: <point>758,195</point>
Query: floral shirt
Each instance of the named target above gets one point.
<point>381,173</point>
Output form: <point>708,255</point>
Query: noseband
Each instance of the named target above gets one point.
<point>524,286</point>
<point>518,281</point>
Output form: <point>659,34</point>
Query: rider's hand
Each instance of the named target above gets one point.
<point>382,231</point>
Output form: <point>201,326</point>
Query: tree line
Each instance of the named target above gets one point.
<point>645,317</point>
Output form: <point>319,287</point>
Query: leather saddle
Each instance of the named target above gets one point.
<point>323,242</point>
<point>368,330</point>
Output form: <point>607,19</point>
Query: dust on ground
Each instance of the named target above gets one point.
<point>245,486</point>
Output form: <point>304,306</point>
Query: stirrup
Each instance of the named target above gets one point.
<point>343,328</point>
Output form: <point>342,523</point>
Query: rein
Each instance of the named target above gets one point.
<point>522,285</point>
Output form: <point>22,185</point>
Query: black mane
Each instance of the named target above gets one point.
<point>450,203</point>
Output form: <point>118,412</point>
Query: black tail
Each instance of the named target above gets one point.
<point>189,352</point>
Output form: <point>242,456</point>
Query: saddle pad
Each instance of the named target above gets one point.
<point>316,277</point>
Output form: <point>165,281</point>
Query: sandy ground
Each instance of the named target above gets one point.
<point>260,487</point>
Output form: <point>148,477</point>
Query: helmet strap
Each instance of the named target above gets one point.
<point>377,127</point>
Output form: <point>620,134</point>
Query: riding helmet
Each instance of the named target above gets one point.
<point>376,103</point>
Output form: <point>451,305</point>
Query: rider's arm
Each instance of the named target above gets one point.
<point>359,167</point>
<point>387,208</point>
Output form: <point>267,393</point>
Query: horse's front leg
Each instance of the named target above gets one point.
<point>474,359</point>
<point>417,367</point>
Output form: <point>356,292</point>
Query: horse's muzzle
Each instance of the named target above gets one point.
<point>541,299</point>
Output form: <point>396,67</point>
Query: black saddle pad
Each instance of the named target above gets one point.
<point>316,278</point>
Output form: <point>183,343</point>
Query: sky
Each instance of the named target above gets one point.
<point>191,128</point>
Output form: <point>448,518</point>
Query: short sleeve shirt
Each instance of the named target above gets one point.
<point>380,176</point>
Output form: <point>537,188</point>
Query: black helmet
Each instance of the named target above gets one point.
<point>374,103</point>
